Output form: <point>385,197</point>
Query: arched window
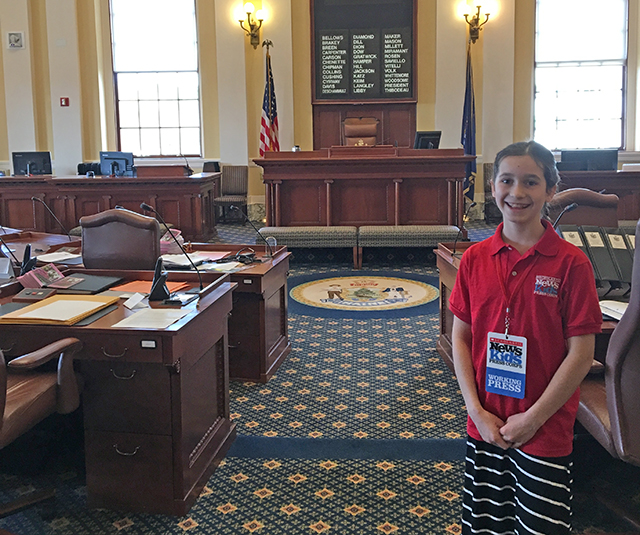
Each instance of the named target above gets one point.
<point>155,64</point>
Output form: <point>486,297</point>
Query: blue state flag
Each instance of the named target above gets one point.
<point>468,138</point>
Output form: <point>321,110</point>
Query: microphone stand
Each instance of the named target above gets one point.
<point>269,248</point>
<point>466,213</point>
<point>36,199</point>
<point>10,251</point>
<point>568,208</point>
<point>149,208</point>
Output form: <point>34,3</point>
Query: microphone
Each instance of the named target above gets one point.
<point>188,166</point>
<point>466,213</point>
<point>269,248</point>
<point>568,208</point>
<point>149,208</point>
<point>53,215</point>
<point>10,251</point>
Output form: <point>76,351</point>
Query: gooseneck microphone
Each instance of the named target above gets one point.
<point>10,251</point>
<point>269,248</point>
<point>36,199</point>
<point>566,209</point>
<point>149,208</point>
<point>466,213</point>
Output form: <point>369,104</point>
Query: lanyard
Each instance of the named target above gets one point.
<point>508,298</point>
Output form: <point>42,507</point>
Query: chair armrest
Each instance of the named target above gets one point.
<point>68,398</point>
<point>34,359</point>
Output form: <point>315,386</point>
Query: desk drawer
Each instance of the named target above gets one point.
<point>127,397</point>
<point>122,347</point>
<point>129,471</point>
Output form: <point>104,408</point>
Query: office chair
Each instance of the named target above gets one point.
<point>120,239</point>
<point>234,183</point>
<point>599,209</point>
<point>609,404</point>
<point>28,396</point>
<point>360,131</point>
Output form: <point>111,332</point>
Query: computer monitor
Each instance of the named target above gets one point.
<point>114,163</point>
<point>427,140</point>
<point>31,163</point>
<point>588,160</point>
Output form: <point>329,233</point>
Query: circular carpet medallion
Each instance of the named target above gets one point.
<point>372,294</point>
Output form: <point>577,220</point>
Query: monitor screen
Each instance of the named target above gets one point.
<point>116,163</point>
<point>31,163</point>
<point>427,140</point>
<point>588,160</point>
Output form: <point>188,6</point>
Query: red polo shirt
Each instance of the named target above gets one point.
<point>553,297</point>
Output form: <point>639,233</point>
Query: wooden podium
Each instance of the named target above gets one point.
<point>356,186</point>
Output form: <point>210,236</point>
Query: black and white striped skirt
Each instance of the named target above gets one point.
<point>511,492</point>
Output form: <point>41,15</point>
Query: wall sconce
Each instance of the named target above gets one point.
<point>475,25</point>
<point>253,23</point>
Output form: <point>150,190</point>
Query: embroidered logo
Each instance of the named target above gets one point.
<point>546,286</point>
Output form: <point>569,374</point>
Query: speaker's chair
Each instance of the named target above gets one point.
<point>360,131</point>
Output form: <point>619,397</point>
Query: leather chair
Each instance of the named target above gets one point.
<point>234,183</point>
<point>610,404</point>
<point>120,239</point>
<point>599,209</point>
<point>28,396</point>
<point>360,131</point>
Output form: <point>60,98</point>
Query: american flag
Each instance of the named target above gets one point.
<point>269,122</point>
<point>468,138</point>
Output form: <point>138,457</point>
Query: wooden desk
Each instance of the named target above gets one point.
<point>186,202</point>
<point>358,186</point>
<point>625,184</point>
<point>448,264</point>
<point>40,242</point>
<point>258,329</point>
<point>155,402</point>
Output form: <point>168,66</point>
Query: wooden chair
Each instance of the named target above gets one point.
<point>234,183</point>
<point>29,395</point>
<point>360,131</point>
<point>120,239</point>
<point>594,208</point>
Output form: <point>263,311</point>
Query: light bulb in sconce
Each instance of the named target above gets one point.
<point>261,14</point>
<point>249,7</point>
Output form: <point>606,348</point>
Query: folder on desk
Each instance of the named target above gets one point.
<point>59,310</point>
<point>88,285</point>
<point>144,287</point>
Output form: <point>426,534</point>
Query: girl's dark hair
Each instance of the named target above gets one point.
<point>541,155</point>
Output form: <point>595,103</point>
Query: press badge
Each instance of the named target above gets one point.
<point>506,365</point>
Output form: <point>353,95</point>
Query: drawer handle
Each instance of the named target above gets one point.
<point>124,453</point>
<point>122,376</point>
<point>104,352</point>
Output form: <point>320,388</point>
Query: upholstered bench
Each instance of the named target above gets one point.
<point>314,237</point>
<point>404,236</point>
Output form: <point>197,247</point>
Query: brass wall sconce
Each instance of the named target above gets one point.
<point>475,25</point>
<point>253,23</point>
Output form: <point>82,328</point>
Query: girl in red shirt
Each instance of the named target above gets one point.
<point>525,316</point>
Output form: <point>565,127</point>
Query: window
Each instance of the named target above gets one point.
<point>155,63</point>
<point>580,73</point>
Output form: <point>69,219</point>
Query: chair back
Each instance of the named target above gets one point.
<point>120,239</point>
<point>234,180</point>
<point>211,167</point>
<point>622,374</point>
<point>594,208</point>
<point>360,131</point>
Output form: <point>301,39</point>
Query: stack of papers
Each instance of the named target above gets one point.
<point>613,309</point>
<point>180,261</point>
<point>61,257</point>
<point>144,287</point>
<point>59,310</point>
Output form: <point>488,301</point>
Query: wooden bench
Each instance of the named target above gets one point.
<point>367,236</point>
<point>314,238</point>
<point>404,236</point>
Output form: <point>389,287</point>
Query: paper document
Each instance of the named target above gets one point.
<point>57,257</point>
<point>153,318</point>
<point>614,309</point>
<point>61,310</point>
<point>180,260</point>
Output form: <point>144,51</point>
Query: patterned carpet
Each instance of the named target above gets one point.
<point>360,431</point>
